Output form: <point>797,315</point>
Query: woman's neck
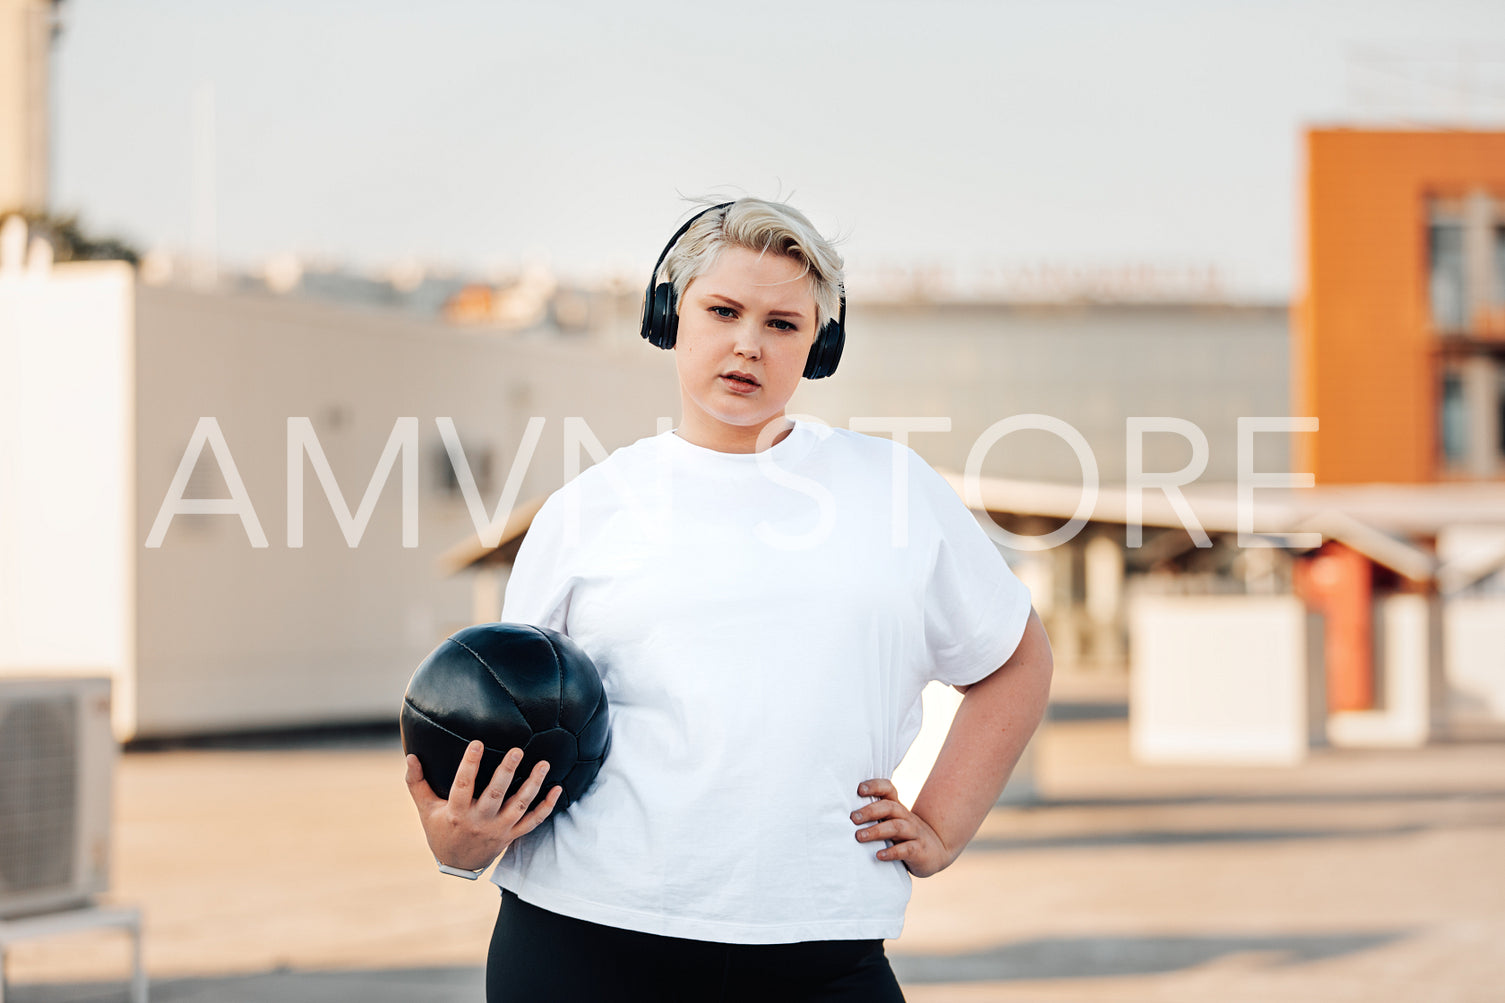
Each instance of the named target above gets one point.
<point>725,438</point>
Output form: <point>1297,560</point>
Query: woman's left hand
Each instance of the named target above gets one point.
<point>914,841</point>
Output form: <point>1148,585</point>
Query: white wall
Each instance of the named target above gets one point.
<point>1474,656</point>
<point>1219,679</point>
<point>67,475</point>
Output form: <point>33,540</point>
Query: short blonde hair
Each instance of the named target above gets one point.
<point>761,226</point>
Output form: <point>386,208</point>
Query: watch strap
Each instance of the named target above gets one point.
<point>461,872</point>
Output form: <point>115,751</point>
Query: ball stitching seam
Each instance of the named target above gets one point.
<point>476,655</point>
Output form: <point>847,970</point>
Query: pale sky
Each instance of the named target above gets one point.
<point>485,135</point>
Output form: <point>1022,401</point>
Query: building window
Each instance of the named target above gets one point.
<point>1471,416</point>
<point>1454,421</point>
<point>1499,415</point>
<point>1466,264</point>
<point>1497,295</point>
<point>1445,254</point>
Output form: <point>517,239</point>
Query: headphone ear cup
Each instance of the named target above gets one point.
<point>826,352</point>
<point>648,327</point>
<point>661,323</point>
<point>668,316</point>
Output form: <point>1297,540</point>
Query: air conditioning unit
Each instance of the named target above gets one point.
<point>57,760</point>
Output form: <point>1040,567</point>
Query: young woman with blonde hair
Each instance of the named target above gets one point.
<point>765,597</point>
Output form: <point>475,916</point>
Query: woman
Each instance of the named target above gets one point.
<point>765,598</point>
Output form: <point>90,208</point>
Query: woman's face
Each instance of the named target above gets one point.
<point>745,331</point>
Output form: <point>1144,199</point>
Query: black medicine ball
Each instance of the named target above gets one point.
<point>512,686</point>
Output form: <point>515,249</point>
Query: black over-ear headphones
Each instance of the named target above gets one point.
<point>661,314</point>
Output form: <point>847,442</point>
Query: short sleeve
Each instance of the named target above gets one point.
<point>976,608</point>
<point>540,583</point>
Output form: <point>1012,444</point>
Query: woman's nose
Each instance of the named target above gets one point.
<point>747,346</point>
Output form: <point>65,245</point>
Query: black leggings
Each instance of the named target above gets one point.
<point>538,957</point>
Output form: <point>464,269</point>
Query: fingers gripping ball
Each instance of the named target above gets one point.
<point>511,686</point>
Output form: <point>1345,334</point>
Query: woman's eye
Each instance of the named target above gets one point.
<point>729,311</point>
<point>783,325</point>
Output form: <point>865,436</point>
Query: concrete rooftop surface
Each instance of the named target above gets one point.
<point>298,872</point>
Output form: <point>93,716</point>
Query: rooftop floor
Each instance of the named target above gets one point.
<point>300,873</point>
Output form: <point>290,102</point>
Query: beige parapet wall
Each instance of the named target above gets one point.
<point>234,636</point>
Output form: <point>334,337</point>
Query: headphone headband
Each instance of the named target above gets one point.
<point>653,276</point>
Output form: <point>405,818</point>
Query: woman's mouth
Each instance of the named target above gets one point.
<point>739,382</point>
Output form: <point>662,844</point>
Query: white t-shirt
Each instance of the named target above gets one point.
<point>763,624</point>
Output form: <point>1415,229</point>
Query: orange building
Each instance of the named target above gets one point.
<point>1399,344</point>
<point>1399,331</point>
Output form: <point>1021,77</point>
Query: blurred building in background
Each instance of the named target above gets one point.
<point>256,620</point>
<point>1399,351</point>
<point>219,628</point>
<point>220,625</point>
<point>1390,629</point>
<point>1255,616</point>
<point>1400,335</point>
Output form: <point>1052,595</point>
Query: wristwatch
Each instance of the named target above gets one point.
<point>461,872</point>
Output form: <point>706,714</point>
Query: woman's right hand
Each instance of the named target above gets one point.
<point>470,832</point>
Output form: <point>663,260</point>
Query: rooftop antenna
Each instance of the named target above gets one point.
<point>1456,87</point>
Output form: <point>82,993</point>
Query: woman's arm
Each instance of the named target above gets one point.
<point>997,716</point>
